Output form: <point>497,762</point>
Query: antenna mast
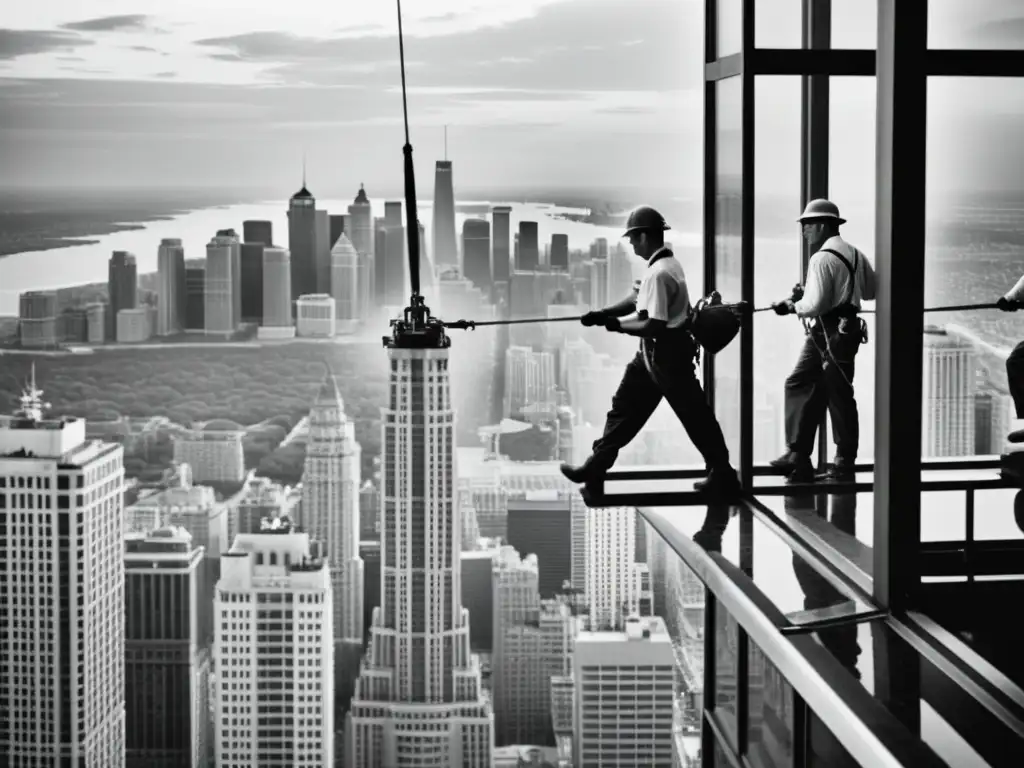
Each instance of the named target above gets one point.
<point>446,142</point>
<point>411,219</point>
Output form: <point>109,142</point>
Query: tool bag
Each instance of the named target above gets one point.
<point>715,324</point>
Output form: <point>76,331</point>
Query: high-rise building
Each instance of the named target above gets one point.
<point>37,312</point>
<point>167,652</point>
<point>219,311</point>
<point>171,297</point>
<point>559,254</point>
<point>610,536</point>
<point>258,232</point>
<point>476,253</point>
<point>501,243</point>
<point>345,282</point>
<point>195,299</point>
<point>620,273</point>
<point>391,266</point>
<point>516,602</point>
<point>337,226</point>
<point>73,324</point>
<point>360,231</point>
<point>122,288</point>
<point>96,322</point>
<point>213,450</point>
<point>273,611</point>
<point>625,689</point>
<point>134,325</point>
<point>236,273</point>
<point>62,616</point>
<point>478,596</point>
<point>262,499</point>
<point>393,213</point>
<point>315,316</point>
<point>419,699</point>
<point>330,513</point>
<point>539,522</point>
<point>322,221</point>
<point>444,249</point>
<point>529,380</point>
<point>528,258</point>
<point>277,293</point>
<point>252,281</point>
<point>302,242</point>
<point>947,420</point>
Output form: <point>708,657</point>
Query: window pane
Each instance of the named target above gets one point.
<point>726,640</point>
<point>972,256</point>
<point>730,27</point>
<point>770,713</point>
<point>854,24</point>
<point>728,249</point>
<point>777,340</point>
<point>721,760</point>
<point>777,24</point>
<point>852,188</point>
<point>823,749</point>
<point>980,24</point>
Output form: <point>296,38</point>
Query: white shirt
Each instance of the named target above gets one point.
<point>663,294</point>
<point>828,280</point>
<point>1017,292</point>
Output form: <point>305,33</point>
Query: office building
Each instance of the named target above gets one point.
<point>345,283</point>
<point>62,616</point>
<point>134,326</point>
<point>610,541</point>
<point>261,232</point>
<point>445,249</point>
<point>195,299</point>
<point>530,380</point>
<point>501,242</point>
<point>261,499</point>
<point>539,522</point>
<point>476,253</point>
<point>558,258</point>
<point>122,288</point>
<point>302,229</point>
<point>393,213</point>
<point>73,325</point>
<point>315,315</point>
<point>277,295</point>
<point>273,611</point>
<point>167,651</point>
<point>528,256</point>
<point>236,273</point>
<point>625,685</point>
<point>337,226</point>
<point>515,603</point>
<point>419,697</point>
<point>251,255</point>
<point>213,450</point>
<point>360,229</point>
<point>37,312</point>
<point>219,308</point>
<point>478,596</point>
<point>947,415</point>
<point>171,292</point>
<point>323,251</point>
<point>391,266</point>
<point>96,320</point>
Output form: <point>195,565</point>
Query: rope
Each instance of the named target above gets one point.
<point>950,308</point>
<point>472,324</point>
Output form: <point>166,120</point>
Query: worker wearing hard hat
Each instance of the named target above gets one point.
<point>657,312</point>
<point>839,277</point>
<point>1011,302</point>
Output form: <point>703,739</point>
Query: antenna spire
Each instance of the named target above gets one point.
<point>446,142</point>
<point>412,229</point>
<point>303,167</point>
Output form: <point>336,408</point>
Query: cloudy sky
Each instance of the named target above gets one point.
<point>547,92</point>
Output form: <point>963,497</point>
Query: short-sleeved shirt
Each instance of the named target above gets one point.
<point>663,294</point>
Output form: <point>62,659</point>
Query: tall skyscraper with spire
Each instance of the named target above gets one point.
<point>445,249</point>
<point>361,216</point>
<point>419,700</point>
<point>302,241</point>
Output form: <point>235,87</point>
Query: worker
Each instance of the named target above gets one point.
<point>656,311</point>
<point>1011,302</point>
<point>839,277</point>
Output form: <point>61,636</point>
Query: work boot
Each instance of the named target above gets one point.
<point>720,483</point>
<point>588,472</point>
<point>1017,436</point>
<point>841,471</point>
<point>801,472</point>
<point>787,462</point>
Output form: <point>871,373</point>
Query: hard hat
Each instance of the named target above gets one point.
<point>645,218</point>
<point>821,209</point>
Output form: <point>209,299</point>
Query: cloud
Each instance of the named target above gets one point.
<point>1003,33</point>
<point>109,23</point>
<point>626,109</point>
<point>166,74</point>
<point>26,42</point>
<point>564,46</point>
<point>142,49</point>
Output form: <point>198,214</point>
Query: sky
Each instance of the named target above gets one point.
<point>564,93</point>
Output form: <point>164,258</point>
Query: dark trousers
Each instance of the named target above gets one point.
<point>1015,378</point>
<point>672,376</point>
<point>814,387</point>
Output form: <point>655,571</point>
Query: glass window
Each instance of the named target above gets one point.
<point>728,248</point>
<point>823,749</point>
<point>978,25</point>
<point>726,671</point>
<point>852,188</point>
<point>777,341</point>
<point>855,24</point>
<point>722,759</point>
<point>730,27</point>
<point>769,713</point>
<point>778,24</point>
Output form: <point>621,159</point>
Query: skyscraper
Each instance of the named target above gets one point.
<point>610,576</point>
<point>501,243</point>
<point>302,242</point>
<point>345,282</point>
<point>171,297</point>
<point>277,293</point>
<point>236,273</point>
<point>219,309</point>
<point>258,232</point>
<point>330,513</point>
<point>168,650</point>
<point>195,298</point>
<point>322,221</point>
<point>361,218</point>
<point>529,249</point>
<point>947,421</point>
<point>393,213</point>
<point>273,609</point>
<point>559,258</point>
<point>252,282</point>
<point>444,249</point>
<point>391,265</point>
<point>476,253</point>
<point>419,699</point>
<point>37,313</point>
<point>62,617</point>
<point>122,288</point>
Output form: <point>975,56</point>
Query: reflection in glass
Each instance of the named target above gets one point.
<point>769,713</point>
<point>728,248</point>
<point>726,670</point>
<point>730,27</point>
<point>977,25</point>
<point>777,252</point>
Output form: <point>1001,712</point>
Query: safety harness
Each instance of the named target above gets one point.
<point>841,314</point>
